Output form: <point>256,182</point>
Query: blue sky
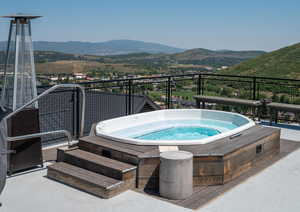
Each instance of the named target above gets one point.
<point>214,24</point>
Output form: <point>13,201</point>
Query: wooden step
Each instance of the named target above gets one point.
<point>85,180</point>
<point>109,149</point>
<point>101,165</point>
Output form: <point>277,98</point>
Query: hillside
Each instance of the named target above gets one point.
<point>195,59</point>
<point>113,47</point>
<point>199,53</point>
<point>214,58</point>
<point>81,66</point>
<point>284,63</point>
<point>194,56</point>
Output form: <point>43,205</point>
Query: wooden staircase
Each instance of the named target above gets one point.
<point>92,172</point>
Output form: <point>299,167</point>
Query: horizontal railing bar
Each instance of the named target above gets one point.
<point>274,83</point>
<point>35,135</point>
<point>226,80</point>
<point>250,77</point>
<point>55,112</point>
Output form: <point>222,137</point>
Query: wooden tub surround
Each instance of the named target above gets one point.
<point>106,168</point>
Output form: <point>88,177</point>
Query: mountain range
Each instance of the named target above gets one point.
<point>113,47</point>
<point>119,47</point>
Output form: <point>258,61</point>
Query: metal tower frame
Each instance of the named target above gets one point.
<point>20,34</point>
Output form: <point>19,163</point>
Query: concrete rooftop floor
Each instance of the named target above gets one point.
<point>277,188</point>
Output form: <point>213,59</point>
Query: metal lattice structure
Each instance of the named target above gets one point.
<point>3,156</point>
<point>19,71</point>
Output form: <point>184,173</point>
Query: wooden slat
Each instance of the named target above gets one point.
<point>83,174</point>
<point>102,161</point>
<point>101,165</point>
<point>131,149</point>
<point>85,180</point>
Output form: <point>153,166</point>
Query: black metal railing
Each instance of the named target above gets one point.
<point>113,98</point>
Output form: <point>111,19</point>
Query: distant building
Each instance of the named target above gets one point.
<point>53,78</point>
<point>79,76</point>
<point>222,68</point>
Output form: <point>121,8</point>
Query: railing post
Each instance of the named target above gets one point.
<point>169,93</point>
<point>129,96</point>
<point>74,122</point>
<point>199,84</point>
<point>126,97</point>
<point>77,113</point>
<point>202,86</point>
<point>254,88</point>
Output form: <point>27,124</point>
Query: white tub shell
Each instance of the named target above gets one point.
<point>107,129</point>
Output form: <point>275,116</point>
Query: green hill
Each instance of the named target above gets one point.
<point>282,63</point>
<point>213,58</point>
